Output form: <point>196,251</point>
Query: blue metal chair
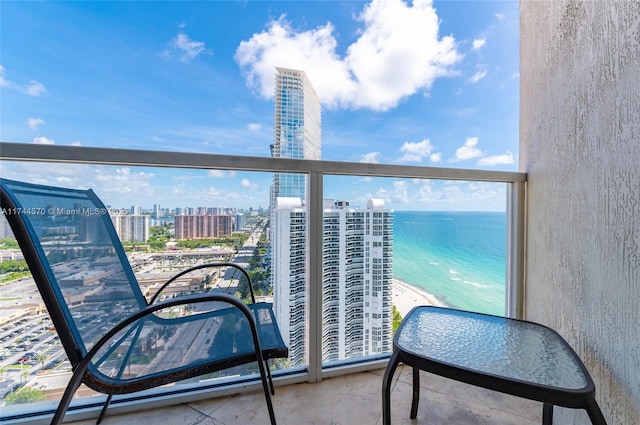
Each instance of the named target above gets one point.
<point>119,338</point>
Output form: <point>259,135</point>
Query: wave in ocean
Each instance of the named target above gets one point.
<point>459,257</point>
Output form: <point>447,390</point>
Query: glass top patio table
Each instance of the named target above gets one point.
<point>508,355</point>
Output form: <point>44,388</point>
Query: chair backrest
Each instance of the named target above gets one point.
<point>76,258</point>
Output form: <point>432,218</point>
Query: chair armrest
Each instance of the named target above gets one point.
<point>203,266</point>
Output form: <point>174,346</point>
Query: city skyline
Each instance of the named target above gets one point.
<point>438,87</point>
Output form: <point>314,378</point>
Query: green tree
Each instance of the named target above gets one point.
<point>396,317</point>
<point>24,395</point>
<point>6,243</point>
<point>13,266</point>
<point>158,237</point>
<point>42,357</point>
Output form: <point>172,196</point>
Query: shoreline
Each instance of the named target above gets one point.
<point>406,296</point>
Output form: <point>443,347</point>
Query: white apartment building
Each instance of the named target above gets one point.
<point>239,222</point>
<point>289,265</point>
<point>357,274</point>
<point>135,210</point>
<point>131,228</point>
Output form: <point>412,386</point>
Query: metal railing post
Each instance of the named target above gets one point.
<point>515,290</point>
<point>315,276</point>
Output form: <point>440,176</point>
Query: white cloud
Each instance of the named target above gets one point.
<point>370,158</point>
<point>185,48</point>
<point>416,151</point>
<point>34,123</point>
<point>400,191</point>
<point>436,157</point>
<point>397,54</point>
<point>254,126</point>
<point>500,16</point>
<point>248,184</point>
<point>506,158</point>
<point>477,76</point>
<point>478,43</point>
<point>34,88</point>
<point>43,141</point>
<point>3,81</point>
<point>122,182</point>
<point>220,174</point>
<point>468,151</point>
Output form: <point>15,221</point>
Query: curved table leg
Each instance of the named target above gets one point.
<point>547,414</point>
<point>594,412</point>
<point>386,387</point>
<point>415,399</point>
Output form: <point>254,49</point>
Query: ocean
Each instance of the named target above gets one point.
<point>459,257</point>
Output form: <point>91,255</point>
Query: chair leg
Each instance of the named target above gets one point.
<point>267,392</point>
<point>104,409</point>
<point>266,366</point>
<point>72,386</point>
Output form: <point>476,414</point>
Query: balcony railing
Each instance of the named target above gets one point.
<point>313,368</point>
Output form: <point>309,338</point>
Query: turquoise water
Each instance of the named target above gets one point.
<point>459,257</point>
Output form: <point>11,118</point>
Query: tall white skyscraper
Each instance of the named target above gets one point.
<point>289,266</point>
<point>131,228</point>
<point>357,278</point>
<point>357,264</point>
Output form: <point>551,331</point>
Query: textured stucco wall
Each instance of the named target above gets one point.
<point>580,145</point>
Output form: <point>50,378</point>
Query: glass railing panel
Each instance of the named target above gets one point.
<point>415,242</point>
<point>359,284</point>
<point>166,222</point>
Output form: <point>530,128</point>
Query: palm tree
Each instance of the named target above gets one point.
<point>41,358</point>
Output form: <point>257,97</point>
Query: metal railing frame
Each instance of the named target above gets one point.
<point>316,170</point>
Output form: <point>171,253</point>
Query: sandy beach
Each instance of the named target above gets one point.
<point>405,297</point>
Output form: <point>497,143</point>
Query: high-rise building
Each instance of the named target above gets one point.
<point>157,211</point>
<point>239,222</point>
<point>131,228</point>
<point>297,135</point>
<point>289,266</point>
<point>357,264</point>
<point>203,226</point>
<point>5,230</point>
<point>297,129</point>
<point>357,278</point>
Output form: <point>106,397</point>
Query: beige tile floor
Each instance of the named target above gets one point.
<point>351,399</point>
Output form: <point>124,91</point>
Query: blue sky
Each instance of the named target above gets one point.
<point>416,83</point>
